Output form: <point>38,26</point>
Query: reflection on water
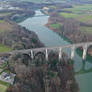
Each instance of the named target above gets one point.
<point>86,68</point>
<point>84,77</point>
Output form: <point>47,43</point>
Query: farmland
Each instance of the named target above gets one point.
<point>82,13</point>
<point>4,48</point>
<point>5,26</point>
<point>5,14</point>
<point>55,26</point>
<point>69,15</point>
<point>3,88</point>
<point>86,29</point>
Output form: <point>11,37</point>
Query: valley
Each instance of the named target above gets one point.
<point>35,24</point>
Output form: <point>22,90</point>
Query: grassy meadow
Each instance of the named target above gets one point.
<point>82,13</point>
<point>69,15</point>
<point>3,88</point>
<point>1,21</point>
<point>86,29</point>
<point>55,26</point>
<point>5,14</point>
<point>4,48</point>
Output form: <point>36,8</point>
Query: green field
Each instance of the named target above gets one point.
<point>55,26</point>
<point>86,18</point>
<point>69,15</point>
<point>80,9</point>
<point>82,13</point>
<point>1,21</point>
<point>3,88</point>
<point>5,14</point>
<point>86,29</point>
<point>4,48</point>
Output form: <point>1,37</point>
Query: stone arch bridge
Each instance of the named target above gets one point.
<point>45,50</point>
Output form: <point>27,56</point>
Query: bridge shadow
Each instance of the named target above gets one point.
<point>83,69</point>
<point>89,51</point>
<point>88,58</point>
<point>39,58</point>
<point>27,60</point>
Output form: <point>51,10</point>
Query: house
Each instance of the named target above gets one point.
<point>3,59</point>
<point>7,77</point>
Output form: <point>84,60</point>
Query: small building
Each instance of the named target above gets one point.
<point>7,77</point>
<point>3,59</point>
<point>45,8</point>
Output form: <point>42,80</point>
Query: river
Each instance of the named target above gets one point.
<point>50,38</point>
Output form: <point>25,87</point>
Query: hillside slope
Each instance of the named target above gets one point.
<point>16,37</point>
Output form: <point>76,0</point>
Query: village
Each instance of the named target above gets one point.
<point>5,5</point>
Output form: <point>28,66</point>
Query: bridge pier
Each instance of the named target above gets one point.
<point>32,55</point>
<point>60,54</point>
<point>84,52</point>
<point>72,52</point>
<point>46,54</point>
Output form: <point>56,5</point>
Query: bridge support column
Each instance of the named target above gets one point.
<point>84,52</point>
<point>72,52</point>
<point>60,54</point>
<point>32,55</point>
<point>46,54</point>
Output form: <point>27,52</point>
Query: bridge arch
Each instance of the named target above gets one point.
<point>89,52</point>
<point>39,58</point>
<point>46,50</point>
<point>79,51</point>
<point>27,60</point>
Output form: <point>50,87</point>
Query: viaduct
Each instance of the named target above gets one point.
<point>46,50</point>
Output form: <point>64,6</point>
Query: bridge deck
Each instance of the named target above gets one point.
<point>49,48</point>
